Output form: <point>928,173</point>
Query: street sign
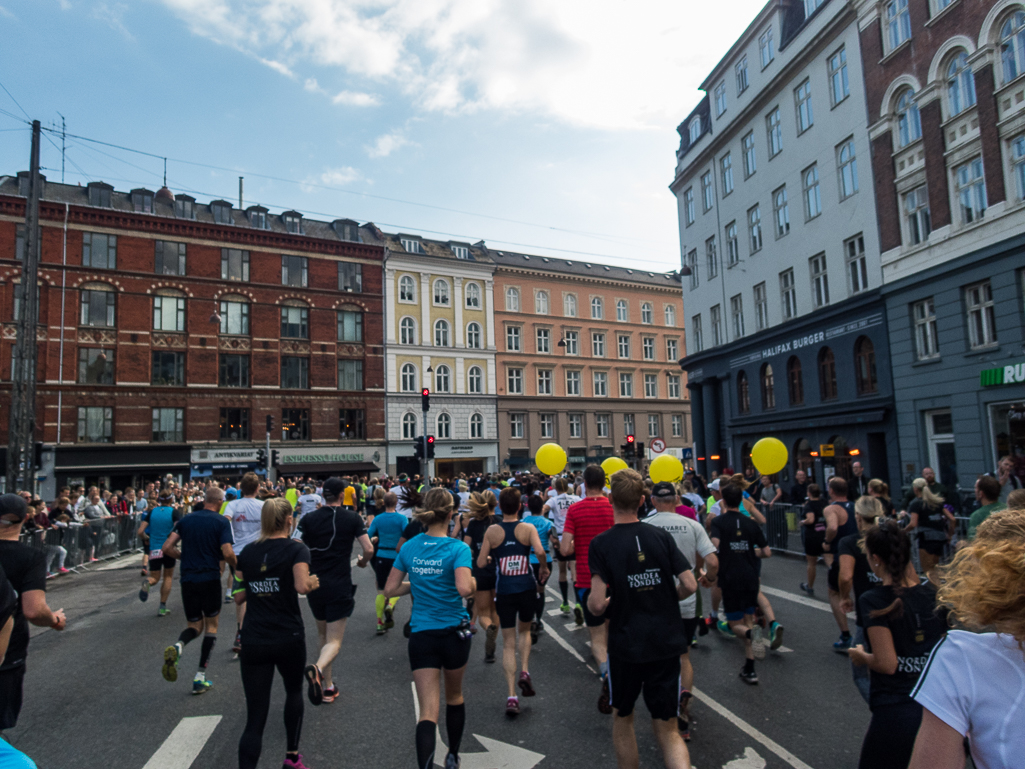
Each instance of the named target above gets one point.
<point>658,445</point>
<point>688,453</point>
<point>827,450</point>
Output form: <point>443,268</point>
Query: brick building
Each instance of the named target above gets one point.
<point>170,330</point>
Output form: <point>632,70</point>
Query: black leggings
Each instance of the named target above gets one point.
<point>258,662</point>
<point>891,734</point>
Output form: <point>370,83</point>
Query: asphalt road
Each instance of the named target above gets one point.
<point>95,698</point>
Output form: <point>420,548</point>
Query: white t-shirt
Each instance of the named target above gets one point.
<point>307,503</point>
<point>695,501</point>
<point>552,492</point>
<point>557,508</point>
<point>692,540</point>
<point>244,515</point>
<point>464,498</point>
<point>973,683</point>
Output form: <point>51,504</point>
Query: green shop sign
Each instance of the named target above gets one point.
<point>1005,375</point>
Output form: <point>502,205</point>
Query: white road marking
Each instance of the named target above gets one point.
<point>750,760</point>
<point>566,645</point>
<point>801,599</point>
<point>184,744</point>
<point>573,627</point>
<point>554,612</point>
<point>784,649</point>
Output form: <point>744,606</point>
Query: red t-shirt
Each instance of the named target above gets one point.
<point>687,512</point>
<point>585,520</point>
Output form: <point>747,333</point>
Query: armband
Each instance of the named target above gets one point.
<point>237,587</point>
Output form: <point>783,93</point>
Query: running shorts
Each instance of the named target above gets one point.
<point>10,696</point>
<point>589,619</point>
<point>813,542</point>
<point>438,649</point>
<point>509,605</point>
<point>560,557</point>
<point>737,603</point>
<point>833,575</point>
<point>658,680</point>
<point>486,579</point>
<point>332,602</point>
<point>932,546</point>
<point>382,568</point>
<point>201,599</point>
<point>690,626</point>
<point>161,562</point>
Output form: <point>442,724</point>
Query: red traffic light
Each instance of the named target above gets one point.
<point>430,439</point>
<point>629,439</point>
<point>425,392</point>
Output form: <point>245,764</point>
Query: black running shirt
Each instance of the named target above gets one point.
<point>329,534</point>
<point>272,604</point>
<point>738,537</point>
<point>25,568</point>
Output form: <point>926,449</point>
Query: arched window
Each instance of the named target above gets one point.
<point>442,379</point>
<point>408,384</point>
<point>694,130</point>
<point>441,333</point>
<point>647,314</point>
<point>407,289</point>
<point>541,302</point>
<point>407,331</point>
<point>768,387</point>
<point>512,299</point>
<point>476,426</point>
<point>827,374</point>
<point>444,426</point>
<point>795,381</point>
<point>475,381</point>
<point>1012,46</point>
<point>473,296</point>
<point>97,300</point>
<point>234,312</point>
<point>743,393</point>
<point>960,84</point>
<point>473,336</point>
<point>622,312</point>
<point>295,320</point>
<point>569,305</point>
<point>670,316</point>
<point>409,426</point>
<point>909,124</point>
<point>441,295</point>
<point>865,366</point>
<point>597,308</point>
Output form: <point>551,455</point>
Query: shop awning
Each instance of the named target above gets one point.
<point>328,467</point>
<point>227,468</point>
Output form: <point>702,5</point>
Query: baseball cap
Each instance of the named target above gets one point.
<point>333,487</point>
<point>714,485</point>
<point>230,494</point>
<point>663,490</point>
<point>13,505</point>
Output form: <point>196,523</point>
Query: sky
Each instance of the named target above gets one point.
<point>543,126</point>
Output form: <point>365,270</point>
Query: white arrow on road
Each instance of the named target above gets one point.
<point>499,755</point>
<point>750,760</point>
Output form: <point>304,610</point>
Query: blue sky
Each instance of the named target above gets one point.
<point>542,126</point>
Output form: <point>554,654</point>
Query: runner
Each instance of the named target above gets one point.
<point>813,532</point>
<point>556,509</point>
<point>740,543</point>
<point>329,533</point>
<point>840,523</point>
<point>482,516</point>
<point>545,531</point>
<point>584,521</point>
<point>155,526</point>
<point>206,538</point>
<point>512,541</point>
<point>244,515</point>
<point>635,571</point>
<point>278,570</point>
<point>439,579</point>
<point>384,532</point>
<point>307,503</point>
<point>934,525</point>
<point>692,540</point>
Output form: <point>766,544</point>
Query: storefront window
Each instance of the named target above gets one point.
<point>1008,425</point>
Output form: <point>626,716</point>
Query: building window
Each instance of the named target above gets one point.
<point>547,425</point>
<point>99,251</point>
<point>647,313</point>
<point>598,345</point>
<point>294,271</point>
<point>768,388</point>
<point>95,424</point>
<point>350,326</point>
<point>673,385</point>
<point>909,121</point>
<point>716,315</point>
<point>819,280</point>
<point>514,379</point>
<point>411,246</point>
<point>720,99</point>
<point>857,264</point>
<point>812,196</point>
<point>407,289</point>
<point>726,166</point>
<point>916,209</point>
<point>408,378</point>
<point>601,384</point>
<point>982,330</point>
<point>234,317</point>
<point>653,429</point>
<point>541,302</point>
<point>802,97</point>
<point>1012,46</point>
<point>295,373</point>
<point>710,258</point>
<point>774,127</point>
<point>737,315</point>
<point>512,299</point>
<point>696,333</point>
<point>170,258</point>
<point>97,306</point>
<point>848,164</point>
<point>222,213</point>
<point>651,385</point>
<point>295,323</point>
<point>971,191</point>
<point>648,348</point>
<point>473,336</point>
<point>960,84</point>
<point>544,382</point>
<point>184,207</point>
<point>1018,165</point>
<point>839,88</point>
<point>169,313</point>
<point>788,294</point>
<point>622,311</point>
<point>827,374</point>
<point>293,223</point>
<point>761,307</point>
<point>544,340</point>
<point>351,424</point>
<point>570,338</point>
<point>576,425</point>
<point>476,426</point>
<point>512,338</point>
<point>677,425</point>
<point>461,252</point>
<point>688,206</point>
<point>441,333</point>
<point>472,296</point>
<point>601,425</point>
<point>898,22</point>
<point>475,381</point>
<point>865,366</point>
<point>743,393</point>
<point>926,339</point>
<point>732,247</point>
<point>295,424</point>
<point>233,371</point>
<point>350,277</point>
<point>234,425</point>
<point>168,425</point>
<point>95,366</point>
<point>350,375</point>
<point>754,228</point>
<point>408,426</point>
<point>741,71</point>
<point>810,6</point>
<point>516,425</point>
<point>750,162</point>
<point>795,382</point>
<point>444,426</point>
<point>707,198</point>
<point>628,424</point>
<point>781,211</point>
<point>257,218</point>
<point>766,52</point>
<point>569,305</point>
<point>168,369</point>
<point>623,346</point>
<point>694,130</point>
<point>441,294</point>
<point>407,331</point>
<point>597,309</point>
<point>572,383</point>
<point>234,264</point>
<point>692,262</point>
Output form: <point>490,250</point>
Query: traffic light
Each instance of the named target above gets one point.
<point>430,447</point>
<point>274,455</point>
<point>425,399</point>
<point>270,423</point>
<point>640,449</point>
<point>624,450</point>
<point>261,456</point>
<point>630,439</point>
<point>418,449</point>
<point>37,456</point>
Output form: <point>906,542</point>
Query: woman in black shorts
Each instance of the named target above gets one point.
<point>482,515</point>
<point>934,524</point>
<point>438,567</point>
<point>814,528</point>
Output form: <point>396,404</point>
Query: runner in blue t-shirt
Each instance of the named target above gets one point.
<point>385,531</point>
<point>440,578</point>
<point>544,528</point>
<point>155,527</point>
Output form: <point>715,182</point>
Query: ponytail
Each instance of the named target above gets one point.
<point>888,542</point>
<point>931,499</point>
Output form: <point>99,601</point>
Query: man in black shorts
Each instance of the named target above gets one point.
<point>25,568</point>
<point>329,533</point>
<point>740,543</point>
<point>207,540</point>
<point>638,577</point>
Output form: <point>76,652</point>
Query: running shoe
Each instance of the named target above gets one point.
<point>512,706</point>
<point>93,560</point>
<point>604,699</point>
<point>533,632</point>
<point>683,712</point>
<point>389,618</point>
<point>565,609</point>
<point>705,625</point>
<point>330,695</point>
<point>144,590</point>
<point>684,728</point>
<point>841,646</point>
<point>380,627</point>
<point>170,670</point>
<point>749,677</point>
<point>806,589</point>
<point>315,690</point>
<point>62,570</point>
<point>578,614</point>
<point>227,596</point>
<point>451,761</point>
<point>237,645</point>
<point>163,611</point>
<point>201,685</point>
<point>294,763</point>
<point>724,628</point>
<point>489,642</point>
<point>526,685</point>
<point>145,571</point>
<point>775,635</point>
<point>757,643</point>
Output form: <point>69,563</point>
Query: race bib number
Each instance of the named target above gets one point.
<point>156,553</point>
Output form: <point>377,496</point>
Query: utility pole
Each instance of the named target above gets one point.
<point>21,428</point>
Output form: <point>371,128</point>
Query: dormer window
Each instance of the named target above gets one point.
<point>99,194</point>
<point>23,183</point>
<point>221,210</point>
<point>346,229</point>
<point>142,201</point>
<point>293,222</point>
<point>185,207</point>
<point>257,216</point>
<point>694,130</point>
<point>461,252</point>
<point>412,246</point>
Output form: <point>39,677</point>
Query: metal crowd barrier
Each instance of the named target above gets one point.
<point>101,538</point>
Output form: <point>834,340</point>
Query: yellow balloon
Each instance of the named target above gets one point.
<point>666,468</point>
<point>769,456</point>
<point>550,459</point>
<point>613,465</point>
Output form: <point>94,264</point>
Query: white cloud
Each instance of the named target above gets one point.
<point>356,99</point>
<point>7,14</point>
<point>277,66</point>
<point>339,177</point>
<point>64,4</point>
<point>113,14</point>
<point>385,145</point>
